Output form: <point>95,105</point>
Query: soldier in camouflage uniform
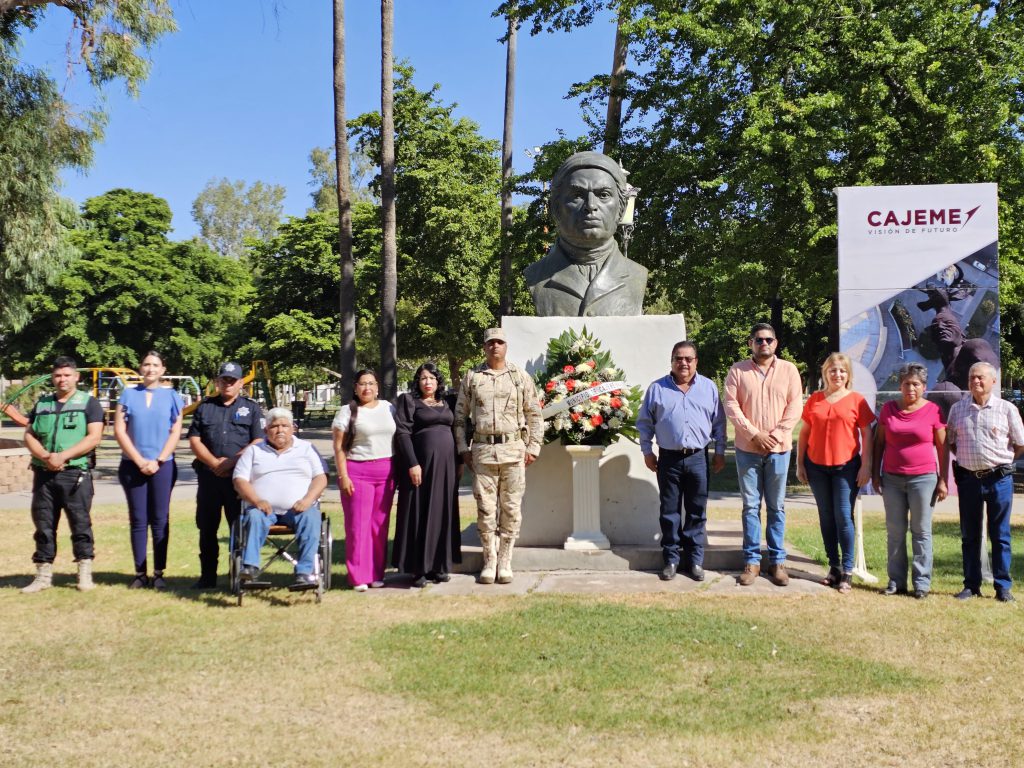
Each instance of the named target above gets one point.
<point>498,402</point>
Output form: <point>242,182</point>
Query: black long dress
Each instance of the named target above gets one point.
<point>427,535</point>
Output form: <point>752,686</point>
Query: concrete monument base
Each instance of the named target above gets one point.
<point>626,506</point>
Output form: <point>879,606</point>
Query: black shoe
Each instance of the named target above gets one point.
<point>205,583</point>
<point>139,582</point>
<point>1006,596</point>
<point>440,577</point>
<point>304,581</point>
<point>249,573</point>
<point>668,572</point>
<point>967,593</point>
<point>920,594</point>
<point>420,582</point>
<point>696,572</point>
<point>891,589</point>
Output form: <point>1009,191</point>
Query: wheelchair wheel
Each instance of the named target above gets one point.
<point>325,553</point>
<point>235,565</point>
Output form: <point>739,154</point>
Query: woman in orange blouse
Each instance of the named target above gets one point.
<point>833,455</point>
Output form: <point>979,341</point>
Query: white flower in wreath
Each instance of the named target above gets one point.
<point>614,422</point>
<point>561,389</point>
<point>581,385</point>
<point>584,368</point>
<point>586,425</point>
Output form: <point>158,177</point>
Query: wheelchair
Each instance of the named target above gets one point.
<point>283,539</point>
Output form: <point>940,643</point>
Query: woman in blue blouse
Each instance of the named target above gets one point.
<point>147,426</point>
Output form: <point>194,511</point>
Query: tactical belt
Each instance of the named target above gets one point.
<point>508,437</point>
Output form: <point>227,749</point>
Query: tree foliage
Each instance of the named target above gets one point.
<point>132,289</point>
<point>228,214</point>
<point>41,134</point>
<point>448,180</point>
<point>744,116</point>
<point>323,178</point>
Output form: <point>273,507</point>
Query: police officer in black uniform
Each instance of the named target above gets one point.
<point>222,427</point>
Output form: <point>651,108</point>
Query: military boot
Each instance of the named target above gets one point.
<point>85,582</point>
<point>505,560</point>
<point>43,579</point>
<point>490,558</point>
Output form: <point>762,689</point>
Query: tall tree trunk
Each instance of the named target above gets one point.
<point>506,281</point>
<point>389,254</point>
<point>347,286</point>
<point>613,122</point>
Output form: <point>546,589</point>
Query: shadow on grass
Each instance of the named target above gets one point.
<point>555,664</point>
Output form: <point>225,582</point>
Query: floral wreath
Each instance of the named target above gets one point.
<point>586,401</point>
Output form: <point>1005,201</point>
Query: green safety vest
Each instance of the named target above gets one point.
<point>59,431</point>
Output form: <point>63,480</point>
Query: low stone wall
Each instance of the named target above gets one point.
<point>15,474</point>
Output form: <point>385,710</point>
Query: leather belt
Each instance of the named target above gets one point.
<point>508,437</point>
<point>683,451</point>
<point>1003,470</point>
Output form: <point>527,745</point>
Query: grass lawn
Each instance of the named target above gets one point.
<point>118,677</point>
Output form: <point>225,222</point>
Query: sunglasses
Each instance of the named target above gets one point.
<point>764,340</point>
<point>683,359</point>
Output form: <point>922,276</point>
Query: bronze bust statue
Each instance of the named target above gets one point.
<point>584,274</point>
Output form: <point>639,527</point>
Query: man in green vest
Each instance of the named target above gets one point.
<point>64,429</point>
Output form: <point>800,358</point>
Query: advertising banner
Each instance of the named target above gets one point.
<point>918,282</point>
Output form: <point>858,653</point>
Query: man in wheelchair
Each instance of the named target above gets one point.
<point>280,481</point>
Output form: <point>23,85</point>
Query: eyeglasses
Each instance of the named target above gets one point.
<point>764,340</point>
<point>680,359</point>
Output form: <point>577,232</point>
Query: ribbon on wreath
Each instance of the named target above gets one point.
<point>581,397</point>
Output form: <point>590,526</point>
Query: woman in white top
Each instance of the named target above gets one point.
<point>364,434</point>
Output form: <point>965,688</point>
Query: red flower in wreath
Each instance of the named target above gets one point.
<point>549,386</point>
<point>616,402</point>
<point>568,369</point>
<point>570,384</point>
<point>575,416</point>
<point>597,420</point>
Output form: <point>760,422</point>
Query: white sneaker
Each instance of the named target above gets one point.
<point>377,584</point>
<point>360,587</point>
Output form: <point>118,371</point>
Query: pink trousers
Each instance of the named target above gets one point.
<point>366,519</point>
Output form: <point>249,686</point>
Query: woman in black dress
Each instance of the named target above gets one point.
<point>427,535</point>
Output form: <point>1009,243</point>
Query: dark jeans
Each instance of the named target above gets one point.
<point>683,485</point>
<point>835,492</point>
<point>149,502</point>
<point>213,494</point>
<point>70,490</point>
<point>994,493</point>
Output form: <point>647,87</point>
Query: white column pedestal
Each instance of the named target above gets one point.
<point>586,498</point>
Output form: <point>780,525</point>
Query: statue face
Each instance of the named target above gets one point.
<point>587,211</point>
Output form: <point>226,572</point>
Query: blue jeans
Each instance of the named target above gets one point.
<point>683,484</point>
<point>763,477</point>
<point>307,534</point>
<point>835,491</point>
<point>914,494</point>
<point>996,494</point>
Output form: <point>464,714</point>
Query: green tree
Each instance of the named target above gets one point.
<point>40,134</point>
<point>294,322</point>
<point>131,289</point>
<point>228,213</point>
<point>743,117</point>
<point>448,178</point>
<point>323,178</point>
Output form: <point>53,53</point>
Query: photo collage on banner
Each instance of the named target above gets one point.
<point>918,282</point>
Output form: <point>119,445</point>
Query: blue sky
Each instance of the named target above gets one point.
<point>243,89</point>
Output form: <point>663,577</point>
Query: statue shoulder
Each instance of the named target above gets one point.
<point>546,266</point>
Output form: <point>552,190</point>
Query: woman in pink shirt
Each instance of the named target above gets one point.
<point>834,458</point>
<point>909,438</point>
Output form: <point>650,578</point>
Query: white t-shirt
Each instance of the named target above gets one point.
<point>280,478</point>
<point>375,431</point>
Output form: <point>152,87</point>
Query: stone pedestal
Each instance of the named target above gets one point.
<point>628,491</point>
<point>586,498</point>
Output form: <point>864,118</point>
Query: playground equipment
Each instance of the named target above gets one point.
<point>256,384</point>
<point>104,383</point>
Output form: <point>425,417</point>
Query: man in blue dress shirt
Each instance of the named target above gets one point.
<point>683,412</point>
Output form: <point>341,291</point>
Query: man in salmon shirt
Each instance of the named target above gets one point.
<point>763,400</point>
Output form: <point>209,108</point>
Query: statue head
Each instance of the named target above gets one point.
<point>588,197</point>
